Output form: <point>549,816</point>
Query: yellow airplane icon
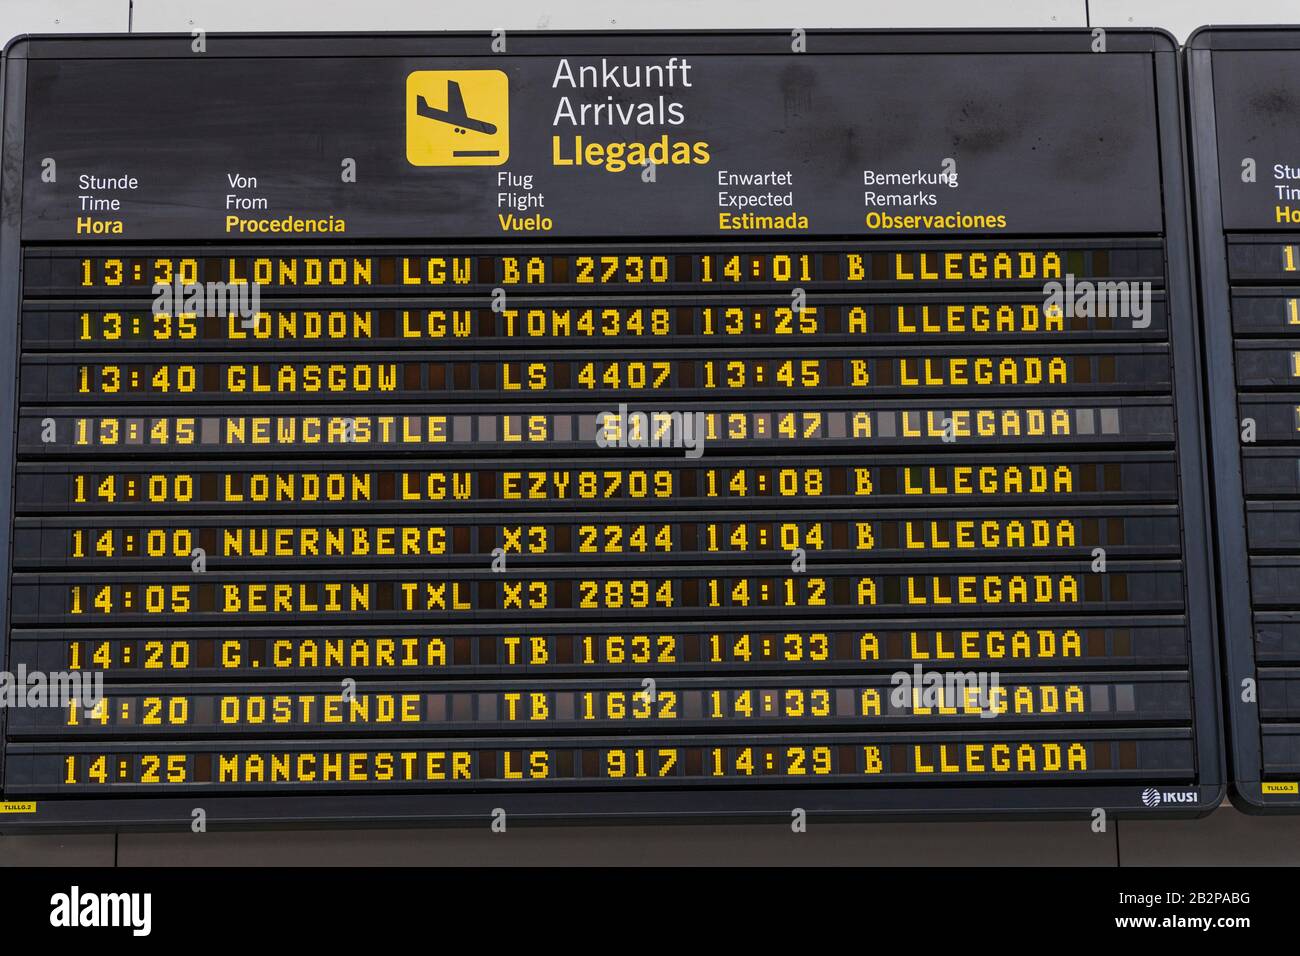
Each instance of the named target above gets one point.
<point>441,131</point>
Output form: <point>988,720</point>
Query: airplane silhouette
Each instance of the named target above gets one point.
<point>454,115</point>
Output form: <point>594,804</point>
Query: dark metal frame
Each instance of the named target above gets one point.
<point>966,802</point>
<point>1243,740</point>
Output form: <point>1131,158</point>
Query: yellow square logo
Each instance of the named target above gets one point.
<point>457,118</point>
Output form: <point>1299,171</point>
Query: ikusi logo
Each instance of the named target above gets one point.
<point>1151,797</point>
<point>75,908</point>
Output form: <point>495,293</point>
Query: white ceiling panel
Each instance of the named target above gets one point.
<point>1181,17</point>
<point>297,15</point>
<point>62,16</point>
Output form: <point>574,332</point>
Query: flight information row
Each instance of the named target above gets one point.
<point>638,374</point>
<point>661,595</point>
<point>618,483</point>
<point>58,431</point>
<point>53,271</point>
<point>468,650</point>
<point>143,710</point>
<point>599,538</point>
<point>1082,755</point>
<point>664,322</point>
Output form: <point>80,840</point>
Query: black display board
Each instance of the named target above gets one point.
<point>1245,132</point>
<point>603,427</point>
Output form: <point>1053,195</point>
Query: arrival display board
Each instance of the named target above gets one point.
<point>1245,100</point>
<point>605,426</point>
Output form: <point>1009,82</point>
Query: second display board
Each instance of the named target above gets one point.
<point>1245,113</point>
